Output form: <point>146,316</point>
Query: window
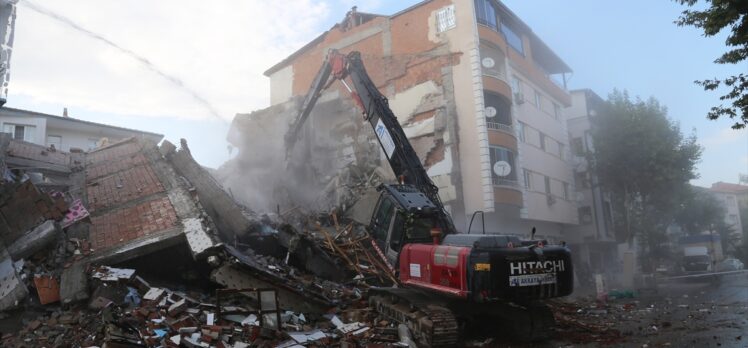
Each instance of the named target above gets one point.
<point>512,38</point>
<point>20,132</point>
<point>528,178</point>
<point>577,146</point>
<point>562,151</point>
<point>521,131</point>
<point>485,13</point>
<point>498,111</point>
<point>547,185</point>
<point>55,140</point>
<point>566,190</point>
<point>382,219</point>
<point>502,162</point>
<point>731,201</point>
<point>445,18</point>
<point>538,99</point>
<point>93,143</point>
<point>542,141</point>
<point>556,111</point>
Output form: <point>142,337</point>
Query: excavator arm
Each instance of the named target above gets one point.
<point>400,154</point>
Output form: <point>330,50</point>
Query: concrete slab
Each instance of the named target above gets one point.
<point>12,290</point>
<point>74,284</point>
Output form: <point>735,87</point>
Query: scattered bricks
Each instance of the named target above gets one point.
<point>188,330</point>
<point>47,288</point>
<point>177,307</point>
<point>185,321</point>
<point>68,319</point>
<point>153,294</point>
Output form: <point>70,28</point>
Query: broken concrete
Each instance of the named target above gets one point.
<point>12,289</point>
<point>34,241</point>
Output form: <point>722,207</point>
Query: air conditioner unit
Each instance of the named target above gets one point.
<point>519,98</point>
<point>550,199</point>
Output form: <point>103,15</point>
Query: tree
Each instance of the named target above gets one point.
<point>644,160</point>
<point>718,15</point>
<point>699,211</point>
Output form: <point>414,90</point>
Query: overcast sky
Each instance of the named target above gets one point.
<point>210,55</point>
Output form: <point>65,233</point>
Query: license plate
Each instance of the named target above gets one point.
<point>532,279</point>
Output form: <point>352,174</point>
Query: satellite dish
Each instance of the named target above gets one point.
<point>502,168</point>
<point>488,62</point>
<point>490,111</point>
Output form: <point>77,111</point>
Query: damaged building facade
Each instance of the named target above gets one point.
<point>476,92</point>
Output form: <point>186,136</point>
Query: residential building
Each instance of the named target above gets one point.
<point>593,239</point>
<point>732,197</point>
<point>480,96</point>
<point>64,132</point>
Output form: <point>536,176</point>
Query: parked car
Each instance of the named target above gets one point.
<point>730,265</point>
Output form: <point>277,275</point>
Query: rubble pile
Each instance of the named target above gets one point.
<point>126,311</point>
<point>83,214</point>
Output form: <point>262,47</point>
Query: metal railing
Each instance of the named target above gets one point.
<point>505,182</point>
<point>500,126</point>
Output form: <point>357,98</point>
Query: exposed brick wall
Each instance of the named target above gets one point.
<point>35,152</point>
<point>122,186</point>
<point>125,225</point>
<point>124,148</point>
<point>94,171</point>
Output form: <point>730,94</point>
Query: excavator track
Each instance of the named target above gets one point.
<point>432,324</point>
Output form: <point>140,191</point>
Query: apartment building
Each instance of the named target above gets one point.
<point>733,197</point>
<point>62,131</point>
<point>481,98</point>
<point>593,240</point>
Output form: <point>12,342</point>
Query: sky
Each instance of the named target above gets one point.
<point>205,61</point>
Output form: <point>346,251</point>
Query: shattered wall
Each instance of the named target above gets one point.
<point>335,149</point>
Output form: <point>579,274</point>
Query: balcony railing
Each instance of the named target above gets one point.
<point>500,126</point>
<point>505,182</point>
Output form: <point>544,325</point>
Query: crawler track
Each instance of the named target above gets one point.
<point>432,324</point>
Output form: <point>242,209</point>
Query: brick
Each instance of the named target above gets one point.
<point>122,187</point>
<point>127,224</point>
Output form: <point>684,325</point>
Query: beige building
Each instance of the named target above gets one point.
<point>732,197</point>
<point>479,95</point>
<point>64,132</point>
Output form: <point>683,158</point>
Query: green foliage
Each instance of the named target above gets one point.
<point>645,161</point>
<point>718,15</point>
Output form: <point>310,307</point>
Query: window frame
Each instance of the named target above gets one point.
<point>480,8</point>
<point>511,39</point>
<point>494,152</point>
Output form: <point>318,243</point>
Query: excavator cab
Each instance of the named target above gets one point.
<point>403,215</point>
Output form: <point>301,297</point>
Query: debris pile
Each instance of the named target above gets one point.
<point>285,280</point>
<point>126,310</point>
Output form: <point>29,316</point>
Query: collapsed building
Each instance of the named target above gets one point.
<point>65,217</point>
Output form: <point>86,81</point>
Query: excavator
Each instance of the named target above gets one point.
<point>447,281</point>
